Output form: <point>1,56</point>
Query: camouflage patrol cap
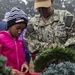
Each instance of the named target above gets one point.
<point>42,3</point>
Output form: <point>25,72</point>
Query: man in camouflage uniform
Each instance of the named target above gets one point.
<point>48,28</point>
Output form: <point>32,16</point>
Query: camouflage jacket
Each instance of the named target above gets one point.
<point>42,33</point>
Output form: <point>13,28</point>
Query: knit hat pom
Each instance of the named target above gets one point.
<point>17,16</point>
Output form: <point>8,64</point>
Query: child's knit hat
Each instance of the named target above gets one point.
<point>17,16</point>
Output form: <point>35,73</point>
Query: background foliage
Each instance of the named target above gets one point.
<point>6,5</point>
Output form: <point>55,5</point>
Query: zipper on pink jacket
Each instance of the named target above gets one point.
<point>17,54</point>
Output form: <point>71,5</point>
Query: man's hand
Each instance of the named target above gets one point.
<point>35,52</point>
<point>24,68</point>
<point>53,45</point>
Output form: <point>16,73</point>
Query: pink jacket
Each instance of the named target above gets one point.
<point>13,49</point>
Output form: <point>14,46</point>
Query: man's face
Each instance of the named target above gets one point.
<point>45,12</point>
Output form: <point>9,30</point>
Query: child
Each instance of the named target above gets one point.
<point>10,45</point>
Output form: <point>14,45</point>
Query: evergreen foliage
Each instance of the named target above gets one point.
<point>3,69</point>
<point>65,68</point>
<point>54,55</point>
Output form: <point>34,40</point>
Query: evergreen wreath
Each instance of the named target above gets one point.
<point>54,55</point>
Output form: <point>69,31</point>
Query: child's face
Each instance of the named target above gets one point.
<point>16,30</point>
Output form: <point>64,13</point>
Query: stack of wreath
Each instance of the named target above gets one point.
<point>64,68</point>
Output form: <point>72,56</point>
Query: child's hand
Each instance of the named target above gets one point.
<point>24,68</point>
<point>14,72</point>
